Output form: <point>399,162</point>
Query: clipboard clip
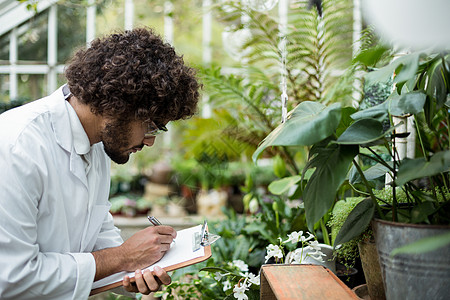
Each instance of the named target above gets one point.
<point>203,238</point>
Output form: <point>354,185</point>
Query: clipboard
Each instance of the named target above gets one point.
<point>191,246</point>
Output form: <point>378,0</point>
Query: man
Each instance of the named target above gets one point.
<point>56,234</point>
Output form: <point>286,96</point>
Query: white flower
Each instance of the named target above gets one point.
<point>297,236</point>
<point>226,285</point>
<point>296,257</point>
<point>310,237</point>
<point>273,251</point>
<point>315,245</point>
<point>253,279</point>
<point>239,291</point>
<point>218,276</point>
<point>241,265</point>
<point>317,256</point>
<point>294,237</point>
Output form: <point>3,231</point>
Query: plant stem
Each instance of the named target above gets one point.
<point>448,127</point>
<point>394,175</point>
<point>277,217</point>
<point>372,196</point>
<point>326,237</point>
<point>425,154</point>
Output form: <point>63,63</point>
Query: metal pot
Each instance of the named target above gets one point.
<point>412,276</point>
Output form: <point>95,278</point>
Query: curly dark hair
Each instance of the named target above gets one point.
<point>134,74</point>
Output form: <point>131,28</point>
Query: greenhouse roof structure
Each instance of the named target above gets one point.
<point>13,13</point>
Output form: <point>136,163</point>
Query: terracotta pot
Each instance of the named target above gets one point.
<point>371,268</point>
<point>361,292</point>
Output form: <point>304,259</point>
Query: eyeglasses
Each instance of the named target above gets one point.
<point>153,129</point>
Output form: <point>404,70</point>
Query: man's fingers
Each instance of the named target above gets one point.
<point>165,239</point>
<point>162,275</point>
<point>165,230</point>
<point>140,283</point>
<point>128,286</point>
<point>152,284</point>
<point>147,282</point>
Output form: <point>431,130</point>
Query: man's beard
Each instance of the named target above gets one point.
<point>115,138</point>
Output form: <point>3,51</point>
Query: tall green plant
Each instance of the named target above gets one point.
<point>421,83</point>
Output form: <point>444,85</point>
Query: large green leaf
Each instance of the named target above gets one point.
<point>309,123</point>
<point>332,164</point>
<point>357,221</point>
<point>405,68</point>
<point>424,245</point>
<point>408,103</point>
<point>397,105</point>
<point>362,131</point>
<point>417,168</point>
<point>378,112</point>
<point>346,119</point>
<point>281,186</point>
<point>437,81</point>
<point>421,211</point>
<point>372,173</point>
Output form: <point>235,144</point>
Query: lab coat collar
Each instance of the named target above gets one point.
<point>60,120</point>
<point>80,139</point>
<point>63,133</point>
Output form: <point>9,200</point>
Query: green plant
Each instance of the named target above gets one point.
<point>341,138</point>
<point>346,252</point>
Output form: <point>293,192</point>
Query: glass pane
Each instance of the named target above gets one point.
<point>32,40</point>
<point>4,49</point>
<point>32,86</point>
<point>4,90</point>
<point>71,29</point>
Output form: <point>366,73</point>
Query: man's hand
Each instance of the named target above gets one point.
<point>143,249</point>
<point>147,246</point>
<point>147,282</point>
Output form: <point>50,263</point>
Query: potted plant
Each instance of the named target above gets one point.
<point>343,139</point>
<point>362,246</point>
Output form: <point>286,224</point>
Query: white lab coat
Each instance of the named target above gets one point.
<point>49,223</point>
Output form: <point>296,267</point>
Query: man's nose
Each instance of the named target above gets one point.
<point>149,141</point>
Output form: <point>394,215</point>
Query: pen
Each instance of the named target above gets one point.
<point>154,220</point>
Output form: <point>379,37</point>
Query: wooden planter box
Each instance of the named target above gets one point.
<point>299,282</point>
